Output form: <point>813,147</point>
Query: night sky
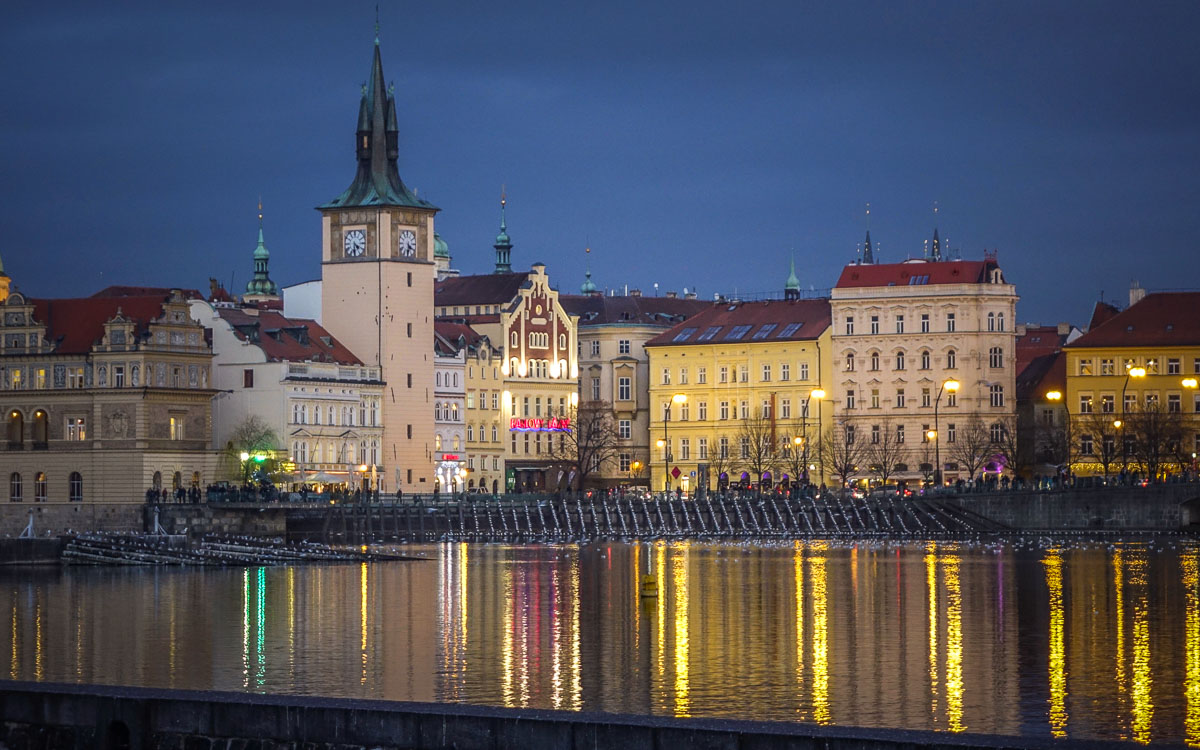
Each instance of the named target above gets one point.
<point>690,144</point>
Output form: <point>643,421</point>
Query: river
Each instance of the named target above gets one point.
<point>1083,640</point>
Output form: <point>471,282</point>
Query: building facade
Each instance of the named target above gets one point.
<point>377,275</point>
<point>322,404</point>
<point>734,393</point>
<point>449,410</point>
<point>1131,388</point>
<point>901,332</point>
<point>105,396</point>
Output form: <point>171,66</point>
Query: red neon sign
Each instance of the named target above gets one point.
<point>537,424</point>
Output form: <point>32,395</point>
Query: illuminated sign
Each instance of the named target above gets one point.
<point>553,424</point>
<point>449,456</point>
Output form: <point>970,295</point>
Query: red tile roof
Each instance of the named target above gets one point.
<point>482,289</point>
<point>915,272</point>
<point>665,312</point>
<point>1044,373</point>
<point>1162,319</point>
<point>1038,341</point>
<point>1102,313</point>
<point>74,326</point>
<point>747,322</point>
<point>287,339</point>
<point>144,291</point>
<point>449,336</point>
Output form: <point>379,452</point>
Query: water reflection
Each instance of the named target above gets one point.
<point>938,636</point>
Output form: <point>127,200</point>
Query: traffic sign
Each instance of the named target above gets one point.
<point>676,472</point>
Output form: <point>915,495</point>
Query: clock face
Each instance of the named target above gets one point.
<point>354,243</point>
<point>408,243</point>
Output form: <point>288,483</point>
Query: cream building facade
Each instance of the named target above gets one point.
<point>901,331</point>
<point>449,410</point>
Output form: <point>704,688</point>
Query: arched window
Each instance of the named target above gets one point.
<point>156,482</point>
<point>455,379</point>
<point>991,321</point>
<point>925,360</point>
<point>996,357</point>
<point>495,435</point>
<point>15,489</point>
<point>195,480</point>
<point>332,413</point>
<point>438,378</point>
<point>470,433</point>
<point>135,375</point>
<point>437,442</point>
<point>177,480</point>
<point>899,360</point>
<point>453,412</point>
<point>849,363</point>
<point>874,360</point>
<point>951,360</point>
<point>437,411</point>
<point>456,442</point>
<point>75,487</point>
<point>16,429</point>
<point>999,321</point>
<point>39,428</point>
<point>515,339</point>
<point>39,487</point>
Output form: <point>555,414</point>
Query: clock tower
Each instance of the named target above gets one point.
<point>377,274</point>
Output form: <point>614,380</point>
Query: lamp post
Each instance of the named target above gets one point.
<point>952,386</point>
<point>819,395</point>
<point>1056,397</point>
<point>1130,372</point>
<point>678,398</point>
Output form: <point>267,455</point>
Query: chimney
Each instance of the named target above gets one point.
<point>1064,329</point>
<point>671,295</point>
<point>1136,293</point>
<point>635,292</point>
<point>690,295</point>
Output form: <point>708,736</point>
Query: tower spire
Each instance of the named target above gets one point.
<point>588,287</point>
<point>867,255</point>
<point>791,288</point>
<point>260,285</point>
<point>503,245</point>
<point>935,251</point>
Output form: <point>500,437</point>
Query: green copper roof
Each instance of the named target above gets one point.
<point>793,283</point>
<point>261,282</point>
<point>440,249</point>
<point>503,244</point>
<point>377,181</point>
<point>587,287</point>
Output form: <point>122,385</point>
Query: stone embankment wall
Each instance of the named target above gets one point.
<point>36,716</point>
<point>186,518</point>
<point>54,519</point>
<point>1162,507</point>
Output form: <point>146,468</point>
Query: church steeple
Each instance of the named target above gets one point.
<point>261,285</point>
<point>935,251</point>
<point>588,286</point>
<point>791,288</point>
<point>868,256</point>
<point>376,146</point>
<point>503,244</point>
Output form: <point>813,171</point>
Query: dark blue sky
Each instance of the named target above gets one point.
<point>691,144</point>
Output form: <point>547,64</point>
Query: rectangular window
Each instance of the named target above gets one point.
<point>683,376</point>
<point>247,378</point>
<point>785,371</point>
<point>702,410</point>
<point>997,394</point>
<point>623,462</point>
<point>899,324</point>
<point>1085,403</point>
<point>951,399</point>
<point>766,373</point>
<point>850,326</point>
<point>595,389</point>
<point>874,398</point>
<point>924,322</point>
<point>1173,367</point>
<point>595,348</point>
<point>804,370</point>
<point>1085,366</point>
<point>926,397</point>
<point>724,410</point>
<point>74,377</point>
<point>745,409</point>
<point>625,429</point>
<point>724,452</point>
<point>622,346</point>
<point>950,322</point>
<point>1107,367</point>
<point>624,389</point>
<point>925,433</point>
<point>900,398</point>
<point>40,377</point>
<point>118,377</point>
<point>685,449</point>
<point>1108,404</point>
<point>899,433</point>
<point>701,375</point>
<point>470,399</point>
<point>874,324</point>
<point>849,399</point>
<point>1174,403</point>
<point>495,400</point>
<point>76,428</point>
<point>684,411</point>
<point>702,448</point>
<point>176,426</point>
<point>723,375</point>
<point>785,408</point>
<point>1130,402</point>
<point>744,444</point>
<point>951,433</point>
<point>744,373</point>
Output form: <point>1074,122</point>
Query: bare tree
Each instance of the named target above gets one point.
<point>972,446</point>
<point>756,444</point>
<point>588,443</point>
<point>254,437</point>
<point>1093,436</point>
<point>884,451</point>
<point>926,458</point>
<point>1157,437</point>
<point>795,457</point>
<point>843,450</point>
<point>720,461</point>
<point>1008,446</point>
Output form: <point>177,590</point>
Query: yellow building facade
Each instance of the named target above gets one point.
<point>734,376</point>
<point>1131,389</point>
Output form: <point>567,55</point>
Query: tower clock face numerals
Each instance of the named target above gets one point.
<point>407,243</point>
<point>354,243</point>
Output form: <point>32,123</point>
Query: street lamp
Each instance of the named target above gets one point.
<point>952,386</point>
<point>1130,372</point>
<point>1056,397</point>
<point>678,398</point>
<point>799,442</point>
<point>819,395</point>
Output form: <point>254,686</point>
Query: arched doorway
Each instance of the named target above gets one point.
<point>16,429</point>
<point>156,482</point>
<point>75,487</point>
<point>40,431</point>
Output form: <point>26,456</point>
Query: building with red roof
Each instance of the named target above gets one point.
<point>106,397</point>
<point>317,402</point>
<point>925,354</point>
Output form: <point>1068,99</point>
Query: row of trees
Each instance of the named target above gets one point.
<point>1151,439</point>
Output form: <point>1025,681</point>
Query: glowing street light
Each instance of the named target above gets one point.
<point>678,398</point>
<point>819,395</point>
<point>952,386</point>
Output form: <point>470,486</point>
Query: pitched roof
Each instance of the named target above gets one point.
<point>145,291</point>
<point>1043,373</point>
<point>287,339</point>
<point>915,273</point>
<point>480,289</point>
<point>1038,341</point>
<point>1161,319</point>
<point>594,310</point>
<point>1102,313</point>
<point>74,326</point>
<point>450,336</point>
<point>772,320</point>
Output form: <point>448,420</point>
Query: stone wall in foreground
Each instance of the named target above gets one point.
<point>40,716</point>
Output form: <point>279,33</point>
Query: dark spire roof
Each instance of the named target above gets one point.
<point>868,256</point>
<point>935,252</point>
<point>503,244</point>
<point>377,182</point>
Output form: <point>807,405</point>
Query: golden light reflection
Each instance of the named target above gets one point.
<point>954,647</point>
<point>38,642</point>
<point>556,639</point>
<point>1191,634</point>
<point>246,628</point>
<point>679,575</point>
<point>1122,680</point>
<point>820,636</point>
<point>660,603</point>
<point>362,619</point>
<point>1142,678</point>
<point>291,595</point>
<point>508,597</point>
<point>1057,664</point>
<point>576,648</point>
<point>522,639</point>
<point>931,582</point>
<point>15,663</point>
<point>798,607</point>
